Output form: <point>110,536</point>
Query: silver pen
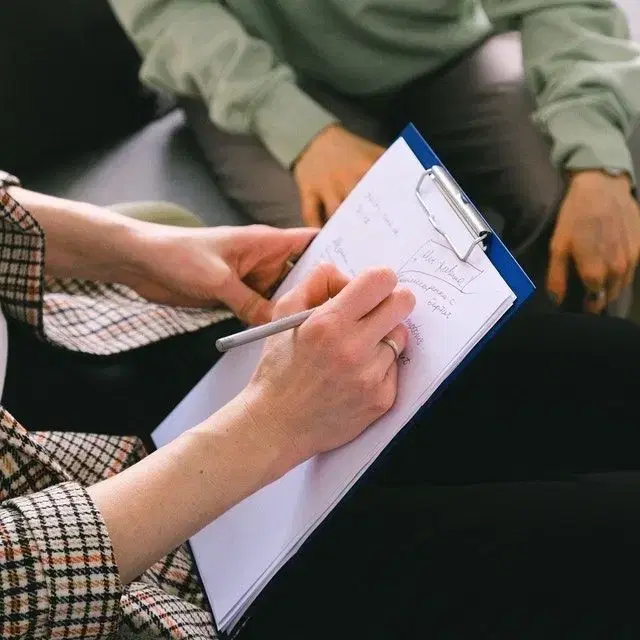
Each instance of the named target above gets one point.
<point>263,331</point>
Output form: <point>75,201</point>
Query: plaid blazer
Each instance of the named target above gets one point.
<point>58,577</point>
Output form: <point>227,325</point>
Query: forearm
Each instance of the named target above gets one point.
<point>84,241</point>
<point>201,49</point>
<point>585,75</point>
<point>169,496</point>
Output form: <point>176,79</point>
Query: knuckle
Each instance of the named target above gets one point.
<point>619,266</point>
<point>592,272</point>
<point>401,336</point>
<point>405,300</point>
<point>366,385</point>
<point>348,357</point>
<point>244,311</point>
<point>247,309</point>
<point>382,400</point>
<point>382,277</point>
<point>221,278</point>
<point>321,328</point>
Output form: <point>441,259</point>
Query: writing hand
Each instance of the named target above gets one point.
<point>236,266</point>
<point>315,388</point>
<point>318,387</point>
<point>328,169</point>
<point>598,228</point>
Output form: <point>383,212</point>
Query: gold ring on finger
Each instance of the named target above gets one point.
<point>393,345</point>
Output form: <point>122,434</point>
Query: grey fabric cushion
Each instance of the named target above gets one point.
<point>161,162</point>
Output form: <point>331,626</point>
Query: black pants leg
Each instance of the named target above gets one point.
<point>524,560</point>
<point>500,514</point>
<point>127,394</point>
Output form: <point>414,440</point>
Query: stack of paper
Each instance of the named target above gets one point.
<point>380,224</point>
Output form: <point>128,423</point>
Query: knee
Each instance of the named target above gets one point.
<point>246,172</point>
<point>528,188</point>
<point>158,212</point>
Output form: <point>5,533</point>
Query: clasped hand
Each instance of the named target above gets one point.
<point>598,229</point>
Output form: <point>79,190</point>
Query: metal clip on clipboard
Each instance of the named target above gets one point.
<point>470,217</point>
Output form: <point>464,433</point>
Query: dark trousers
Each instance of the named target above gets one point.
<point>475,113</point>
<point>510,509</point>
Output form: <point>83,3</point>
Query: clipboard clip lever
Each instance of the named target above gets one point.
<point>466,212</point>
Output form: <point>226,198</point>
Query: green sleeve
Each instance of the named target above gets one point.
<point>584,73</point>
<point>197,48</point>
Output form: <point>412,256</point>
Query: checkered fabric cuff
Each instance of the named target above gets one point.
<point>67,566</point>
<point>21,263</point>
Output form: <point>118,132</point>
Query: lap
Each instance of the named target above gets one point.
<point>48,388</point>
<point>500,514</point>
<point>551,396</point>
<point>508,560</point>
<point>486,136</point>
<point>248,175</point>
<point>476,114</point>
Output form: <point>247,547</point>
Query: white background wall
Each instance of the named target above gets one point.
<point>632,8</point>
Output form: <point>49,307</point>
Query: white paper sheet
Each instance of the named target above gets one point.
<point>380,223</point>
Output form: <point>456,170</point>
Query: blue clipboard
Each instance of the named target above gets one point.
<point>513,274</point>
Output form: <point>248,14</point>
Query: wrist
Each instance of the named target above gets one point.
<point>111,250</point>
<point>279,421</point>
<point>84,241</point>
<point>119,258</point>
<point>603,177</point>
<point>321,135</point>
<point>249,450</point>
<point>182,487</point>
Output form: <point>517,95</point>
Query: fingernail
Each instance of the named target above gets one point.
<point>554,298</point>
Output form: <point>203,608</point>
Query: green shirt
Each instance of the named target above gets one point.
<point>242,56</point>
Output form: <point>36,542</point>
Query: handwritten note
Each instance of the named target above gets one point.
<point>340,256</point>
<point>369,210</point>
<point>380,223</point>
<point>437,260</point>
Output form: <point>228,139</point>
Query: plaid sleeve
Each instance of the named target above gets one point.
<point>21,263</point>
<point>58,576</point>
<point>93,317</point>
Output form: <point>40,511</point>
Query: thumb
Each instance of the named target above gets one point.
<point>247,304</point>
<point>296,240</point>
